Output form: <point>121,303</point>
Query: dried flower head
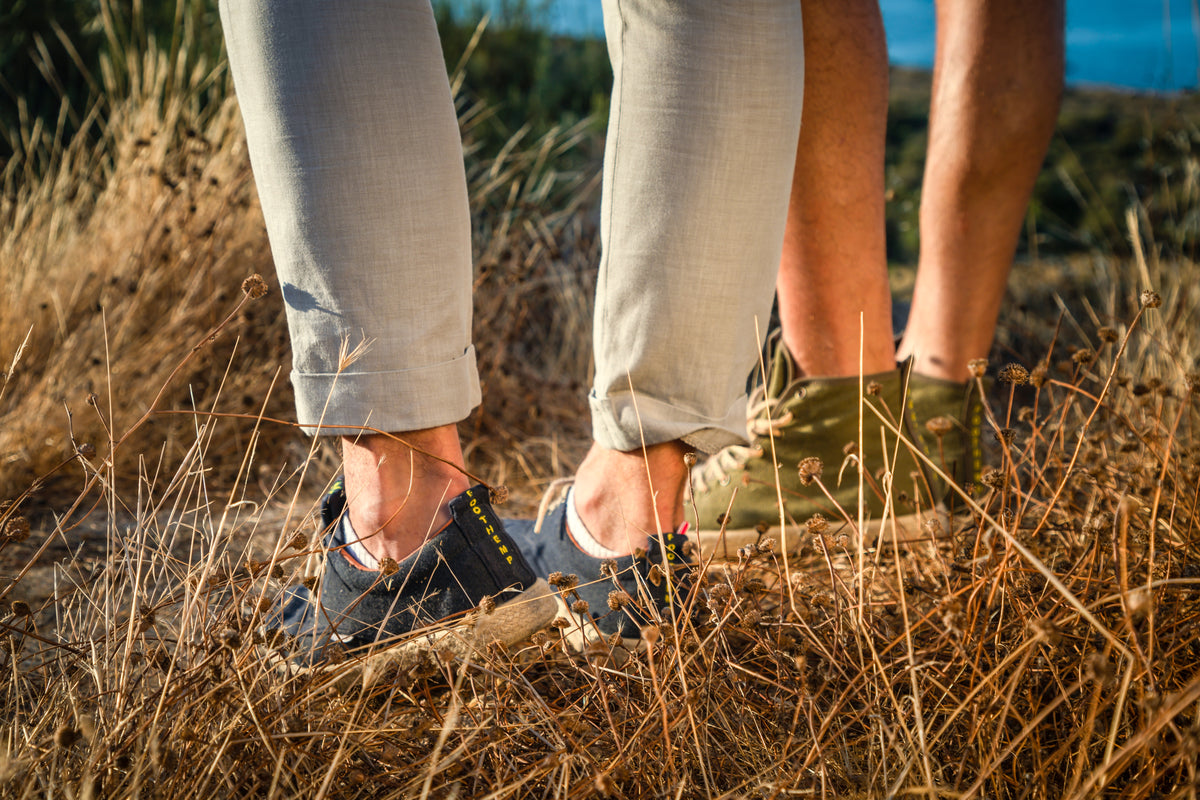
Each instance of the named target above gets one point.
<point>566,582</point>
<point>810,470</point>
<point>229,639</point>
<point>689,460</point>
<point>498,495</point>
<point>817,524</point>
<point>560,623</point>
<point>978,367</point>
<point>1006,436</point>
<point>618,599</point>
<point>297,541</point>
<point>1015,374</point>
<point>580,606</point>
<point>255,286</point>
<point>487,604</point>
<point>1083,357</point>
<point>21,609</point>
<point>939,426</point>
<point>86,450</point>
<point>1038,376</point>
<point>608,568</point>
<point>16,529</point>
<point>874,388</point>
<point>65,736</point>
<point>994,478</point>
<point>1192,381</point>
<point>650,634</point>
<point>388,566</point>
<point>1108,335</point>
<point>1151,299</point>
<point>655,575</point>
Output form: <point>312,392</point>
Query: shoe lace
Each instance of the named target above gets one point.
<point>761,422</point>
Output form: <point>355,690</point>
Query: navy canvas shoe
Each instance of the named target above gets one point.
<point>606,598</point>
<point>466,587</point>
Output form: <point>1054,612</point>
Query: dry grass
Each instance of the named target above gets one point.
<point>1045,647</point>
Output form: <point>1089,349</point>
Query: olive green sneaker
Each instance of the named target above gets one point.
<point>946,419</point>
<point>814,425</point>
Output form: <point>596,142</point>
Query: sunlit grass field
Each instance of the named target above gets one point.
<point>154,499</point>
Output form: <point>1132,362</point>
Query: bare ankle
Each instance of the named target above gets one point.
<point>398,488</point>
<point>622,497</point>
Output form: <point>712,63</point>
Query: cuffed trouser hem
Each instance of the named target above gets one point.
<point>346,403</point>
<point>625,422</point>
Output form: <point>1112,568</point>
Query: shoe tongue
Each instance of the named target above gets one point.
<point>783,371</point>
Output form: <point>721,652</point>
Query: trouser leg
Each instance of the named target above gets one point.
<point>358,161</point>
<point>697,174</point>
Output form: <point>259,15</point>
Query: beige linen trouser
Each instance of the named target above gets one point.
<point>358,161</point>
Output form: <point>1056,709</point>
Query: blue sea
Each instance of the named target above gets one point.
<point>1131,44</point>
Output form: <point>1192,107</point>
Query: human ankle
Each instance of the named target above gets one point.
<point>398,488</point>
<point>623,497</point>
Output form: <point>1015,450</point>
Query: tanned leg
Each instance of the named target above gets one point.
<point>834,263</point>
<point>997,84</point>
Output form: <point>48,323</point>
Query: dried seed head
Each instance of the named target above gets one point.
<point>21,609</point>
<point>874,388</point>
<point>978,367</point>
<point>817,524</point>
<point>689,460</point>
<point>1108,335</point>
<point>618,599</point>
<point>1192,381</point>
<point>939,426</point>
<point>310,582</point>
<point>16,529</point>
<point>580,606</point>
<point>277,572</point>
<point>487,604</point>
<point>499,495</point>
<point>560,623</point>
<point>810,470</point>
<point>932,526</point>
<point>388,566</point>
<point>65,736</point>
<point>608,568</point>
<point>650,634</point>
<point>230,639</point>
<point>87,450</point>
<point>1151,299</point>
<point>762,527</point>
<point>333,654</point>
<point>639,552</point>
<point>1083,357</point>
<point>297,541</point>
<point>564,582</point>
<point>1006,435</point>
<point>994,478</point>
<point>1038,376</point>
<point>255,286</point>
<point>766,546</point>
<point>655,575</point>
<point>446,655</point>
<point>689,549</point>
<point>1015,374</point>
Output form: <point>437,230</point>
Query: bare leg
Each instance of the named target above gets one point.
<point>997,84</point>
<point>397,495</point>
<point>834,263</point>
<point>624,496</point>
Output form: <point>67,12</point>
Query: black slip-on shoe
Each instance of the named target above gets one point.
<point>465,588</point>
<point>621,595</point>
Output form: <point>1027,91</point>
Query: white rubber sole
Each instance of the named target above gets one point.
<point>511,622</point>
<point>907,529</point>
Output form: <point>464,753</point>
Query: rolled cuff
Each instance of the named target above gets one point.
<point>623,422</point>
<point>344,404</point>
